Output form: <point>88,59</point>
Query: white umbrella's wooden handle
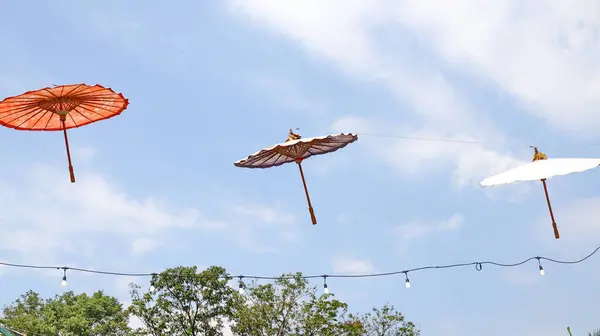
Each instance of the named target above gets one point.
<point>554,226</point>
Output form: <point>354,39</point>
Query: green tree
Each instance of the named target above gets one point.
<point>184,302</point>
<point>290,307</point>
<point>385,321</point>
<point>67,315</point>
<point>594,333</point>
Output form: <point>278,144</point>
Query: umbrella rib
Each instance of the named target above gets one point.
<point>110,95</point>
<point>266,158</point>
<point>88,110</point>
<point>23,99</point>
<point>261,155</point>
<point>76,110</point>
<point>94,92</point>
<point>92,106</point>
<point>99,107</point>
<point>73,120</point>
<point>21,115</point>
<point>25,96</point>
<point>33,115</point>
<point>50,92</point>
<point>20,110</point>
<point>281,159</point>
<point>48,122</point>
<point>72,92</point>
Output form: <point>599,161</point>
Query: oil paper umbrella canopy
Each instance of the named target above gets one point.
<point>296,149</point>
<point>60,108</point>
<point>542,168</point>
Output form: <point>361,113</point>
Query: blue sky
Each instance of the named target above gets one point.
<point>210,83</point>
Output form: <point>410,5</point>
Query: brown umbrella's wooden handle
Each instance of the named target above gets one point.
<point>556,235</point>
<point>313,218</point>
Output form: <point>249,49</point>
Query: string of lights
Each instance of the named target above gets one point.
<point>477,264</point>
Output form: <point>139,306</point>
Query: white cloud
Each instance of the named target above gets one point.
<point>340,31</point>
<point>265,215</point>
<point>343,32</point>
<point>48,217</point>
<point>143,244</point>
<point>263,229</point>
<point>521,276</point>
<point>45,215</point>
<point>470,163</point>
<point>415,230</point>
<point>544,53</point>
<point>348,265</point>
<point>577,223</point>
<point>290,98</point>
<point>83,154</point>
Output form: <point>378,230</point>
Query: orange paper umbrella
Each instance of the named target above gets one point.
<point>60,108</point>
<point>296,149</point>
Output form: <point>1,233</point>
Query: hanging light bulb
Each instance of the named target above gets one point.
<point>325,289</point>
<point>407,282</point>
<point>64,279</point>
<point>542,272</point>
<point>241,286</point>
<point>152,288</point>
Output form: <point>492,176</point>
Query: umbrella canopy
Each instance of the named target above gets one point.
<point>296,149</point>
<point>542,168</point>
<point>59,108</point>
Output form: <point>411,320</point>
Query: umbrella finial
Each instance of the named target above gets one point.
<point>537,155</point>
<point>293,136</point>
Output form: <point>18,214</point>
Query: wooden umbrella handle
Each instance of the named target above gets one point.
<point>313,218</point>
<point>71,171</point>
<point>556,235</point>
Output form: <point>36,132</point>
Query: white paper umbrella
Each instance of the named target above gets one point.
<point>542,168</point>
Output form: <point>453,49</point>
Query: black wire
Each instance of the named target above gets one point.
<point>478,266</point>
<point>445,140</point>
<point>423,139</point>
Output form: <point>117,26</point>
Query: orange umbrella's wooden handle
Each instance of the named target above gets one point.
<point>72,173</point>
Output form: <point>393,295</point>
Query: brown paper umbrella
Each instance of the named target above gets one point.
<point>59,108</point>
<point>296,149</point>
